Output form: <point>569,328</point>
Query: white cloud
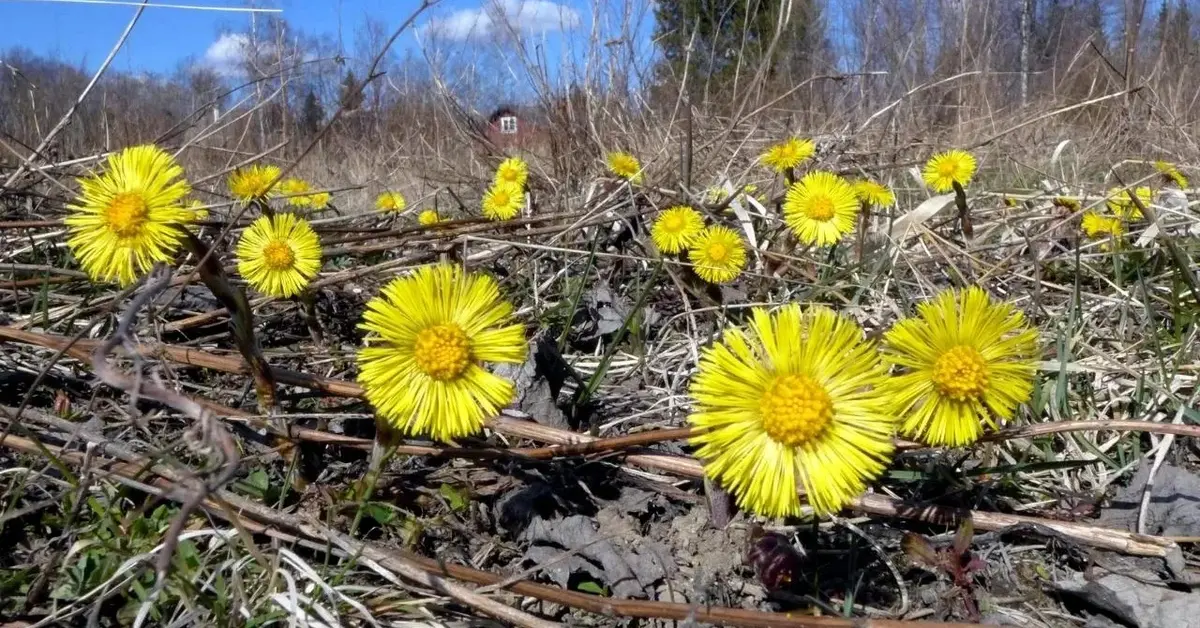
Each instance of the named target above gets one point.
<point>227,55</point>
<point>525,16</point>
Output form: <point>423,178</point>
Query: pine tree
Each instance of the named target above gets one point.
<point>312,114</point>
<point>351,97</point>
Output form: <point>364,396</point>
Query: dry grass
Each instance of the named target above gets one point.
<point>94,478</point>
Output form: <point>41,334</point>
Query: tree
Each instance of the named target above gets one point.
<point>312,114</point>
<point>712,39</point>
<point>351,96</point>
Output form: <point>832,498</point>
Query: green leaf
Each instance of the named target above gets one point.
<point>587,586</point>
<point>381,513</point>
<point>257,484</point>
<point>456,497</point>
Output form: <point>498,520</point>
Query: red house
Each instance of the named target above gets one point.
<point>506,129</point>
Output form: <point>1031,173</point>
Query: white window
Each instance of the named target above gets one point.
<point>508,124</point>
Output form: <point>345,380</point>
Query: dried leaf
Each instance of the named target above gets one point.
<point>628,572</point>
<point>920,550</point>
<point>909,224</point>
<point>962,539</point>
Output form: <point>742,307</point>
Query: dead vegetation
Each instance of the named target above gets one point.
<point>151,474</point>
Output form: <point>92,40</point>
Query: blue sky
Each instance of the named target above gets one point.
<point>82,34</point>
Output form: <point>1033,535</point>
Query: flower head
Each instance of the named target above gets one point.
<point>1171,174</point>
<point>675,228</point>
<point>390,202</point>
<point>788,154</point>
<point>792,401</point>
<point>254,182</point>
<point>428,337</point>
<point>820,208</point>
<point>503,201</point>
<point>1120,204</point>
<point>1096,225</point>
<point>1066,202</point>
<point>428,217</point>
<point>962,361</point>
<point>125,219</point>
<point>718,254</point>
<point>945,169</point>
<point>279,255</point>
<point>625,166</point>
<point>873,193</point>
<point>320,200</point>
<point>513,171</point>
<point>295,189</point>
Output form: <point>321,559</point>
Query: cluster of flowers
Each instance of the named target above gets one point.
<point>133,214</point>
<point>820,209</point>
<point>506,196</point>
<point>1120,210</point>
<point>798,398</point>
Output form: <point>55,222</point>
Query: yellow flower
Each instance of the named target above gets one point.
<point>503,201</point>
<point>874,193</point>
<point>1171,174</point>
<point>1096,225</point>
<point>254,182</point>
<point>126,218</point>
<point>717,254</point>
<point>675,228</point>
<point>429,217</point>
<point>751,190</point>
<point>199,212</point>
<point>1066,202</point>
<point>513,170</point>
<point>390,202</point>
<point>962,361</point>
<point>279,255</point>
<point>945,169</point>
<point>788,154</point>
<point>428,335</point>
<point>295,190</point>
<point>320,200</point>
<point>1120,204</point>
<point>792,401</point>
<point>625,166</point>
<point>820,208</point>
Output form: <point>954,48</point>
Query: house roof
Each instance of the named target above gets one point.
<point>502,110</point>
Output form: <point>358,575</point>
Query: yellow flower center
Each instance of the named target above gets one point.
<point>126,214</point>
<point>795,410</point>
<point>821,208</point>
<point>442,352</point>
<point>278,255</point>
<point>948,169</point>
<point>502,198</point>
<point>961,373</point>
<point>673,222</point>
<point>717,252</point>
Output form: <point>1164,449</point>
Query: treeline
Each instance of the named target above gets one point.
<point>904,71</point>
